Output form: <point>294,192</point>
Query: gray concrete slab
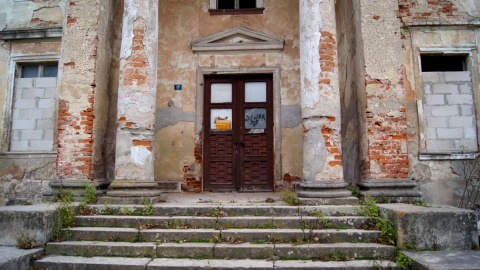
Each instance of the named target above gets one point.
<point>27,222</point>
<point>433,227</point>
<point>445,260</point>
<point>12,258</point>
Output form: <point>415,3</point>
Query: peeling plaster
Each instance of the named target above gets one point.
<point>171,116</point>
<point>310,25</point>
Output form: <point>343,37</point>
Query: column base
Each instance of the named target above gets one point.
<point>325,192</point>
<point>76,187</point>
<point>392,190</point>
<point>132,192</point>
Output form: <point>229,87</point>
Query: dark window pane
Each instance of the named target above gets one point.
<point>436,63</point>
<point>226,4</point>
<point>248,3</point>
<point>29,71</point>
<point>50,71</point>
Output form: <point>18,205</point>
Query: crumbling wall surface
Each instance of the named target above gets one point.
<point>440,181</point>
<point>18,15</point>
<point>348,89</point>
<point>111,131</point>
<point>447,12</point>
<point>178,145</point>
<point>76,88</point>
<point>102,87</point>
<point>432,228</point>
<point>383,148</point>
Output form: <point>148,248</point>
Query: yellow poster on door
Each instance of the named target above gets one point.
<point>224,124</point>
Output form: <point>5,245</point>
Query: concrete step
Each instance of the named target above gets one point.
<point>164,222</point>
<point>223,235</point>
<point>107,263</point>
<point>231,210</point>
<point>337,251</point>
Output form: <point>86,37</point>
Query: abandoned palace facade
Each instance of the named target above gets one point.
<point>142,97</point>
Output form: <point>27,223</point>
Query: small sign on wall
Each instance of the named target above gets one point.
<point>177,87</point>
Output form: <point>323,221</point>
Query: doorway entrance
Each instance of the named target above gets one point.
<point>238,133</point>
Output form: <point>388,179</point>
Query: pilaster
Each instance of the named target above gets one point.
<point>320,101</point>
<point>134,156</point>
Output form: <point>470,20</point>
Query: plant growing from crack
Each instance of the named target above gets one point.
<point>65,214</point>
<point>370,210</point>
<point>289,196</point>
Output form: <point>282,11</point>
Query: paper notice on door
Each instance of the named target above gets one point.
<point>223,124</point>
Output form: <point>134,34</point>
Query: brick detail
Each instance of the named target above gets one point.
<point>328,64</point>
<point>387,155</point>
<point>434,10</point>
<point>75,142</point>
<point>75,121</point>
<point>135,71</point>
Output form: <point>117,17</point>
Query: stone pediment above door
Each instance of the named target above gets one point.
<point>237,39</point>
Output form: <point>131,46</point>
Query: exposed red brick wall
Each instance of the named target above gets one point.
<point>411,12</point>
<point>135,71</point>
<point>75,122</point>
<point>328,63</point>
<point>387,135</point>
<point>75,142</point>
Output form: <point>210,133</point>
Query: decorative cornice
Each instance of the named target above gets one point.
<point>31,33</point>
<point>238,39</point>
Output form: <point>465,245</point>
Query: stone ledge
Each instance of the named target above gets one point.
<point>33,221</point>
<point>432,228</point>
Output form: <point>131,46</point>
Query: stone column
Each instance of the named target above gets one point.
<point>134,178</point>
<point>320,101</point>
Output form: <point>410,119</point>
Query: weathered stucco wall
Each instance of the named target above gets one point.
<point>31,14</point>
<point>441,181</point>
<point>177,145</point>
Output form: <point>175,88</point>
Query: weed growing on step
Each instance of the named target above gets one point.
<point>90,194</point>
<point>321,216</point>
<point>107,210</point>
<point>402,261</point>
<point>354,189</point>
<point>419,203</point>
<point>336,256</point>
<point>65,214</point>
<point>371,210</point>
<point>26,242</point>
<point>148,209</point>
<point>289,196</point>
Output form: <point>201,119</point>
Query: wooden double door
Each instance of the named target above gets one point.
<point>238,137</point>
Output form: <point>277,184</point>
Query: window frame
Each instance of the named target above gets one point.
<point>13,65</point>
<point>470,54</point>
<point>237,11</point>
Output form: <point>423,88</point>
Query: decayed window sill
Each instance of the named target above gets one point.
<point>240,11</point>
<point>448,155</point>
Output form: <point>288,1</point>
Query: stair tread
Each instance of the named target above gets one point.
<point>316,245</point>
<point>64,262</point>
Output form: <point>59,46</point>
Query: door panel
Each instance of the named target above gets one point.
<point>238,133</point>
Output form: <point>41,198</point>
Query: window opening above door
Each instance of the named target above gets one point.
<point>234,7</point>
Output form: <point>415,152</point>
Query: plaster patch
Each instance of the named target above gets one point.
<point>310,25</point>
<point>291,116</point>
<point>315,153</point>
<point>171,116</point>
<point>140,155</point>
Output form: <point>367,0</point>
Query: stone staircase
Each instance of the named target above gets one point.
<point>207,236</point>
